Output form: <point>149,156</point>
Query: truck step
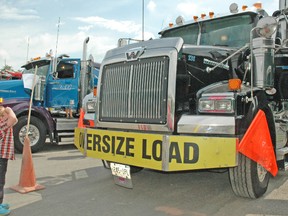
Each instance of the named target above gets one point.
<point>65,138</point>
<point>66,141</point>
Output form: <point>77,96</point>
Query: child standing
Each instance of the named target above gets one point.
<point>7,120</point>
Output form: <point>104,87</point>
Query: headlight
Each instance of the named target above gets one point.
<point>90,106</point>
<point>216,105</point>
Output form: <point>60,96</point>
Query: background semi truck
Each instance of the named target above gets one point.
<point>62,82</point>
<point>210,93</point>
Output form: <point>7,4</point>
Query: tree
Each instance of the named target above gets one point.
<point>7,67</point>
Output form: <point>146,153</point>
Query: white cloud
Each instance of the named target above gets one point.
<point>12,13</point>
<point>120,26</point>
<point>71,44</point>
<point>188,8</point>
<point>85,28</point>
<point>151,6</point>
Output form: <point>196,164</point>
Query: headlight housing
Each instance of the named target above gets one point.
<point>216,104</point>
<point>90,106</point>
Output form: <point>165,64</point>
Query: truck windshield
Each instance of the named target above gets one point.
<point>230,31</point>
<point>42,69</point>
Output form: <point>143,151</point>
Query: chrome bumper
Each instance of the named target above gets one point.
<point>206,124</point>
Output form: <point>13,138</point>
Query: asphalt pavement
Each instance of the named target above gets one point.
<point>75,185</point>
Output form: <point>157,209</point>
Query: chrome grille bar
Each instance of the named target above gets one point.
<point>135,91</point>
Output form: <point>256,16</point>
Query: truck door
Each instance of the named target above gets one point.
<point>62,86</point>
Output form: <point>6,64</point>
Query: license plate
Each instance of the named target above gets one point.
<point>120,170</point>
<point>121,174</point>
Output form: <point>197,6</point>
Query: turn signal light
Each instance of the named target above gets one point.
<point>95,91</point>
<point>234,84</point>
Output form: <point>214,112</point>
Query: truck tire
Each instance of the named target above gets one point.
<point>37,134</point>
<point>249,179</point>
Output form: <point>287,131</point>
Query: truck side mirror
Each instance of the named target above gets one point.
<point>55,75</point>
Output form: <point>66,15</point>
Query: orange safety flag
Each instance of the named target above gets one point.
<point>257,145</point>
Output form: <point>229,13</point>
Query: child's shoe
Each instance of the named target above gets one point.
<point>4,211</point>
<point>5,205</point>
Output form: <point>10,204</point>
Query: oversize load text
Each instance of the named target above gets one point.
<point>186,152</point>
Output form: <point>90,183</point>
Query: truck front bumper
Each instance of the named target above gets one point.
<point>157,151</point>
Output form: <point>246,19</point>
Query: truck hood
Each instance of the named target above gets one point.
<point>196,59</point>
<point>11,89</point>
<point>209,56</point>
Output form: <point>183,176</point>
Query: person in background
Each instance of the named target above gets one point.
<point>7,120</point>
<point>69,109</point>
<point>69,113</point>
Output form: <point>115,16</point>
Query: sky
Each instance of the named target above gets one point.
<point>30,29</point>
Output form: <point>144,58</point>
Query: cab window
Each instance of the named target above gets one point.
<point>65,70</point>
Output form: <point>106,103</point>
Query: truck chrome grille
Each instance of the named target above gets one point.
<point>135,92</point>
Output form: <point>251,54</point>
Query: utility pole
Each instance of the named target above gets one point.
<point>57,37</point>
<point>142,20</point>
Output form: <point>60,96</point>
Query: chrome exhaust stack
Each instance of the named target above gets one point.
<point>263,53</point>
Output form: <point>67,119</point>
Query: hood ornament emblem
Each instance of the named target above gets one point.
<point>134,53</point>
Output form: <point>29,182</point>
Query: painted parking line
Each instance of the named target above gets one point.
<point>81,174</point>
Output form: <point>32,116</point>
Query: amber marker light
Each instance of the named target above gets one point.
<point>203,16</point>
<point>170,25</point>
<point>1,100</point>
<point>234,84</point>
<point>244,7</point>
<point>258,5</point>
<point>195,18</point>
<point>36,58</point>
<point>211,14</point>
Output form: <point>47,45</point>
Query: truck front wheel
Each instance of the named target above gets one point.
<point>36,134</point>
<point>249,179</point>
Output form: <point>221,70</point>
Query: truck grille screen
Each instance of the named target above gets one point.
<point>135,92</point>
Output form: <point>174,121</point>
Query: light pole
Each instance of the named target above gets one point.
<point>142,20</point>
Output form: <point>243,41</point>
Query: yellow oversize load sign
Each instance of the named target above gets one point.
<point>160,152</point>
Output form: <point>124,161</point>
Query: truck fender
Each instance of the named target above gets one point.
<point>41,124</point>
<point>22,109</point>
<point>261,102</point>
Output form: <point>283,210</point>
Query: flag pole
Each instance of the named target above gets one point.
<point>31,100</point>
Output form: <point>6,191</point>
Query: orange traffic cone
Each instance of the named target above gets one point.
<point>81,118</point>
<point>27,182</point>
<point>257,145</point>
